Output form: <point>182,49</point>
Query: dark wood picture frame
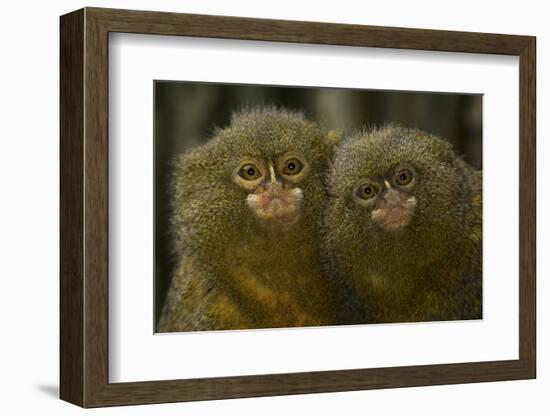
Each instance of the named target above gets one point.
<point>84,207</point>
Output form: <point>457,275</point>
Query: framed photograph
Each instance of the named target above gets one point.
<point>254,207</point>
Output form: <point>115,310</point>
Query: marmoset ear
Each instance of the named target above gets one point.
<point>334,137</point>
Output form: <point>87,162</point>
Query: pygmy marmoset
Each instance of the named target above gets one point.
<point>402,227</point>
<point>246,208</point>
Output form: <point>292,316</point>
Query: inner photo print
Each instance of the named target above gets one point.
<point>283,206</point>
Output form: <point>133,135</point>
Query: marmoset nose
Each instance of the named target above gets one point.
<point>391,197</point>
<point>272,179</point>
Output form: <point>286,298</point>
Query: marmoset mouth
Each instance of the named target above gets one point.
<point>276,208</point>
<point>394,217</point>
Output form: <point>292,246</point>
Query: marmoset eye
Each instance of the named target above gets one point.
<point>367,191</point>
<point>292,166</point>
<point>250,172</point>
<point>403,177</point>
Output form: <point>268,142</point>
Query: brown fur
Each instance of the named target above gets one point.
<point>232,272</point>
<point>430,269</point>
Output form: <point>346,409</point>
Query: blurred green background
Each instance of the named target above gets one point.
<point>187,112</point>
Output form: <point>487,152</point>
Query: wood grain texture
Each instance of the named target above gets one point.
<point>225,27</point>
<point>527,208</point>
<point>84,207</point>
<point>96,214</point>
<point>71,213</point>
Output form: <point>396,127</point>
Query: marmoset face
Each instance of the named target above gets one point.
<point>274,196</point>
<point>394,181</point>
<point>388,197</point>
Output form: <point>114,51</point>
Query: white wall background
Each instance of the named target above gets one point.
<point>29,169</point>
